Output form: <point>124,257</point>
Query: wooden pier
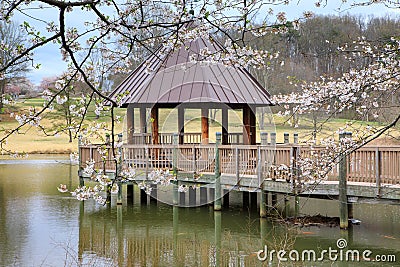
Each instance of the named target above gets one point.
<point>372,175</point>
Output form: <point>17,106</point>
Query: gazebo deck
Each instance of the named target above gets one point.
<point>373,171</point>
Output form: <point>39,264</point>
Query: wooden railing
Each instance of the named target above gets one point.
<point>188,138</point>
<point>101,155</point>
<point>375,165</point>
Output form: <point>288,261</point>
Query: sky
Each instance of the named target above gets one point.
<point>52,65</point>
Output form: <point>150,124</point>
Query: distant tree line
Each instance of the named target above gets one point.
<point>313,50</point>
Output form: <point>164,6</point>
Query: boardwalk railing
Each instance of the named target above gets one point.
<point>188,138</point>
<point>370,164</point>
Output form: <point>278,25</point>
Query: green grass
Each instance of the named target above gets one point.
<point>33,141</point>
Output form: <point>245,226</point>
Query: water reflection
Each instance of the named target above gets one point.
<point>40,226</point>
<point>159,235</point>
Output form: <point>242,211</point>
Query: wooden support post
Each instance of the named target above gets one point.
<point>129,193</point>
<point>237,165</point>
<point>296,206</point>
<point>181,123</point>
<point>287,206</point>
<point>246,200</point>
<point>153,193</point>
<point>274,200</point>
<point>286,138</point>
<point>119,195</point>
<point>120,236</point>
<point>203,195</point>
<point>175,231</point>
<point>264,138</point>
<point>378,172</point>
<point>182,199</point>
<point>296,155</point>
<point>143,120</point>
<point>263,203</point>
<point>343,208</point>
<point>192,197</point>
<point>211,194</point>
<point>175,196</point>
<point>81,180</point>
<point>154,124</point>
<point>217,233</point>
<point>263,231</point>
<point>246,125</point>
<point>273,138</point>
<point>130,123</point>
<point>249,126</point>
<point>274,197</point>
<point>263,193</point>
<point>108,194</point>
<point>226,198</point>
<point>80,143</point>
<point>295,138</point>
<point>253,200</point>
<point>175,140</point>
<point>253,128</point>
<point>143,123</point>
<point>224,125</point>
<point>350,210</point>
<point>143,197</point>
<point>204,126</point>
<point>217,200</point>
<point>118,170</point>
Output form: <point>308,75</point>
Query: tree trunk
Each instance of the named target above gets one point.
<point>2,87</point>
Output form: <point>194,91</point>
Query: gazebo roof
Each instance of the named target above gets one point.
<point>170,77</point>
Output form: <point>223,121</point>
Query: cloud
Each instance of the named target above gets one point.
<point>50,61</point>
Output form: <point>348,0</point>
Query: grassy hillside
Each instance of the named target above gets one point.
<point>31,140</point>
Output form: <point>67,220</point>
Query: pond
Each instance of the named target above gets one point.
<point>41,227</point>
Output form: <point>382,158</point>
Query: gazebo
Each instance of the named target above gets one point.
<point>181,79</point>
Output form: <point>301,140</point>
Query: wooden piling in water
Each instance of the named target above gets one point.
<point>81,180</point>
<point>119,195</point>
<point>118,170</point>
<point>287,207</point>
<point>295,170</point>
<point>217,234</point>
<point>253,200</point>
<point>153,194</point>
<point>343,203</point>
<point>263,203</point>
<point>246,201</point>
<point>182,199</point>
<point>129,193</point>
<point>192,197</point>
<point>274,196</point>
<point>260,174</point>
<point>175,197</point>
<point>203,195</point>
<point>211,194</point>
<point>143,197</point>
<point>225,202</point>
<point>217,200</point>
<point>108,194</point>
